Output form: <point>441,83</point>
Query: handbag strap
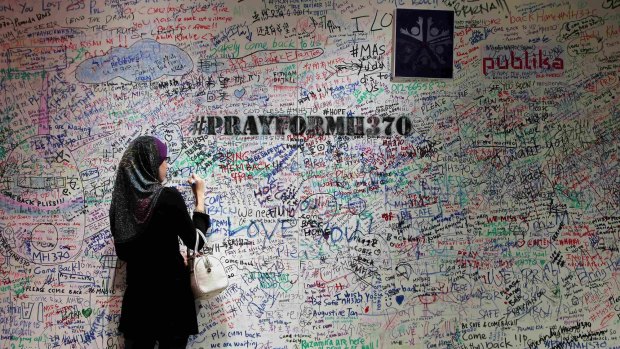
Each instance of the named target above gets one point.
<point>206,261</point>
<point>189,252</point>
<point>204,238</point>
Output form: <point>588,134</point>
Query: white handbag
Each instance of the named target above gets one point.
<point>207,273</point>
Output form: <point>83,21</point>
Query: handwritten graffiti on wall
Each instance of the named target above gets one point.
<point>350,210</point>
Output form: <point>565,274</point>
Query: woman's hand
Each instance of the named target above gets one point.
<point>198,188</point>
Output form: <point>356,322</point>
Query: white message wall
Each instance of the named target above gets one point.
<point>350,210</point>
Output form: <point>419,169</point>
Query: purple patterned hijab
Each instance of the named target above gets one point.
<point>136,188</point>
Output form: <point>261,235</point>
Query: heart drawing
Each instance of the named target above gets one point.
<point>240,92</point>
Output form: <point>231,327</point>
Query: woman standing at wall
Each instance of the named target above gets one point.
<point>146,220</point>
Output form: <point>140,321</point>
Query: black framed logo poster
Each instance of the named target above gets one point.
<point>423,44</point>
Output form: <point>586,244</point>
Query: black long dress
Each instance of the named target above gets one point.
<point>158,301</point>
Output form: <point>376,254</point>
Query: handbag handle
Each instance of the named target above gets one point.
<point>204,238</point>
<point>206,260</point>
